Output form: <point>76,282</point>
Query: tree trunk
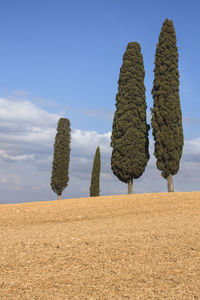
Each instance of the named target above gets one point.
<point>59,197</point>
<point>170,183</point>
<point>130,187</point>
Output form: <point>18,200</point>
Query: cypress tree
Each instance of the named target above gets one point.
<point>166,113</point>
<point>129,138</point>
<point>94,187</point>
<point>60,166</point>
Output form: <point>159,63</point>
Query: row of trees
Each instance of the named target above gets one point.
<point>60,166</point>
<point>129,139</point>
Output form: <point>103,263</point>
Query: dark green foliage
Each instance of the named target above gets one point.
<point>60,175</point>
<point>129,138</point>
<point>166,113</point>
<point>94,187</point>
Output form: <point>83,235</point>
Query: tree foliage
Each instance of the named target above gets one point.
<point>129,138</point>
<point>60,166</point>
<point>95,178</point>
<point>166,113</point>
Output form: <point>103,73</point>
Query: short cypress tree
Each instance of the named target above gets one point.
<point>129,138</point>
<point>60,166</point>
<point>166,113</point>
<point>95,178</point>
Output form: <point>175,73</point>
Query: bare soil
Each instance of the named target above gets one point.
<point>143,246</point>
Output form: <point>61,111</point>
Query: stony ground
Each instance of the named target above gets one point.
<point>117,247</point>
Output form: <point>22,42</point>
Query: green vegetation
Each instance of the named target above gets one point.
<point>129,138</point>
<point>95,178</point>
<point>60,175</point>
<point>166,113</point>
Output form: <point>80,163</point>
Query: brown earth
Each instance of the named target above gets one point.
<point>143,246</point>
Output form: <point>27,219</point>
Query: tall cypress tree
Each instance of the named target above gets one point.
<point>60,166</point>
<point>166,113</point>
<point>95,178</point>
<point>129,138</point>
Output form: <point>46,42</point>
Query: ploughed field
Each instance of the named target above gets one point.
<point>144,246</point>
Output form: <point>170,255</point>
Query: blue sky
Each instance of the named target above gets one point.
<point>63,58</point>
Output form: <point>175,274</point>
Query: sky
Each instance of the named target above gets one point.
<point>62,58</point>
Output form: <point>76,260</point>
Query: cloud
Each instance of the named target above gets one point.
<point>82,139</point>
<point>25,130</point>
<point>191,150</point>
<point>14,178</point>
<point>27,136</point>
<point>4,154</point>
<point>24,112</point>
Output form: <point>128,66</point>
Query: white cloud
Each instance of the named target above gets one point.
<point>26,147</point>
<point>14,178</point>
<point>192,147</point>
<point>4,154</point>
<point>92,139</point>
<point>19,112</point>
